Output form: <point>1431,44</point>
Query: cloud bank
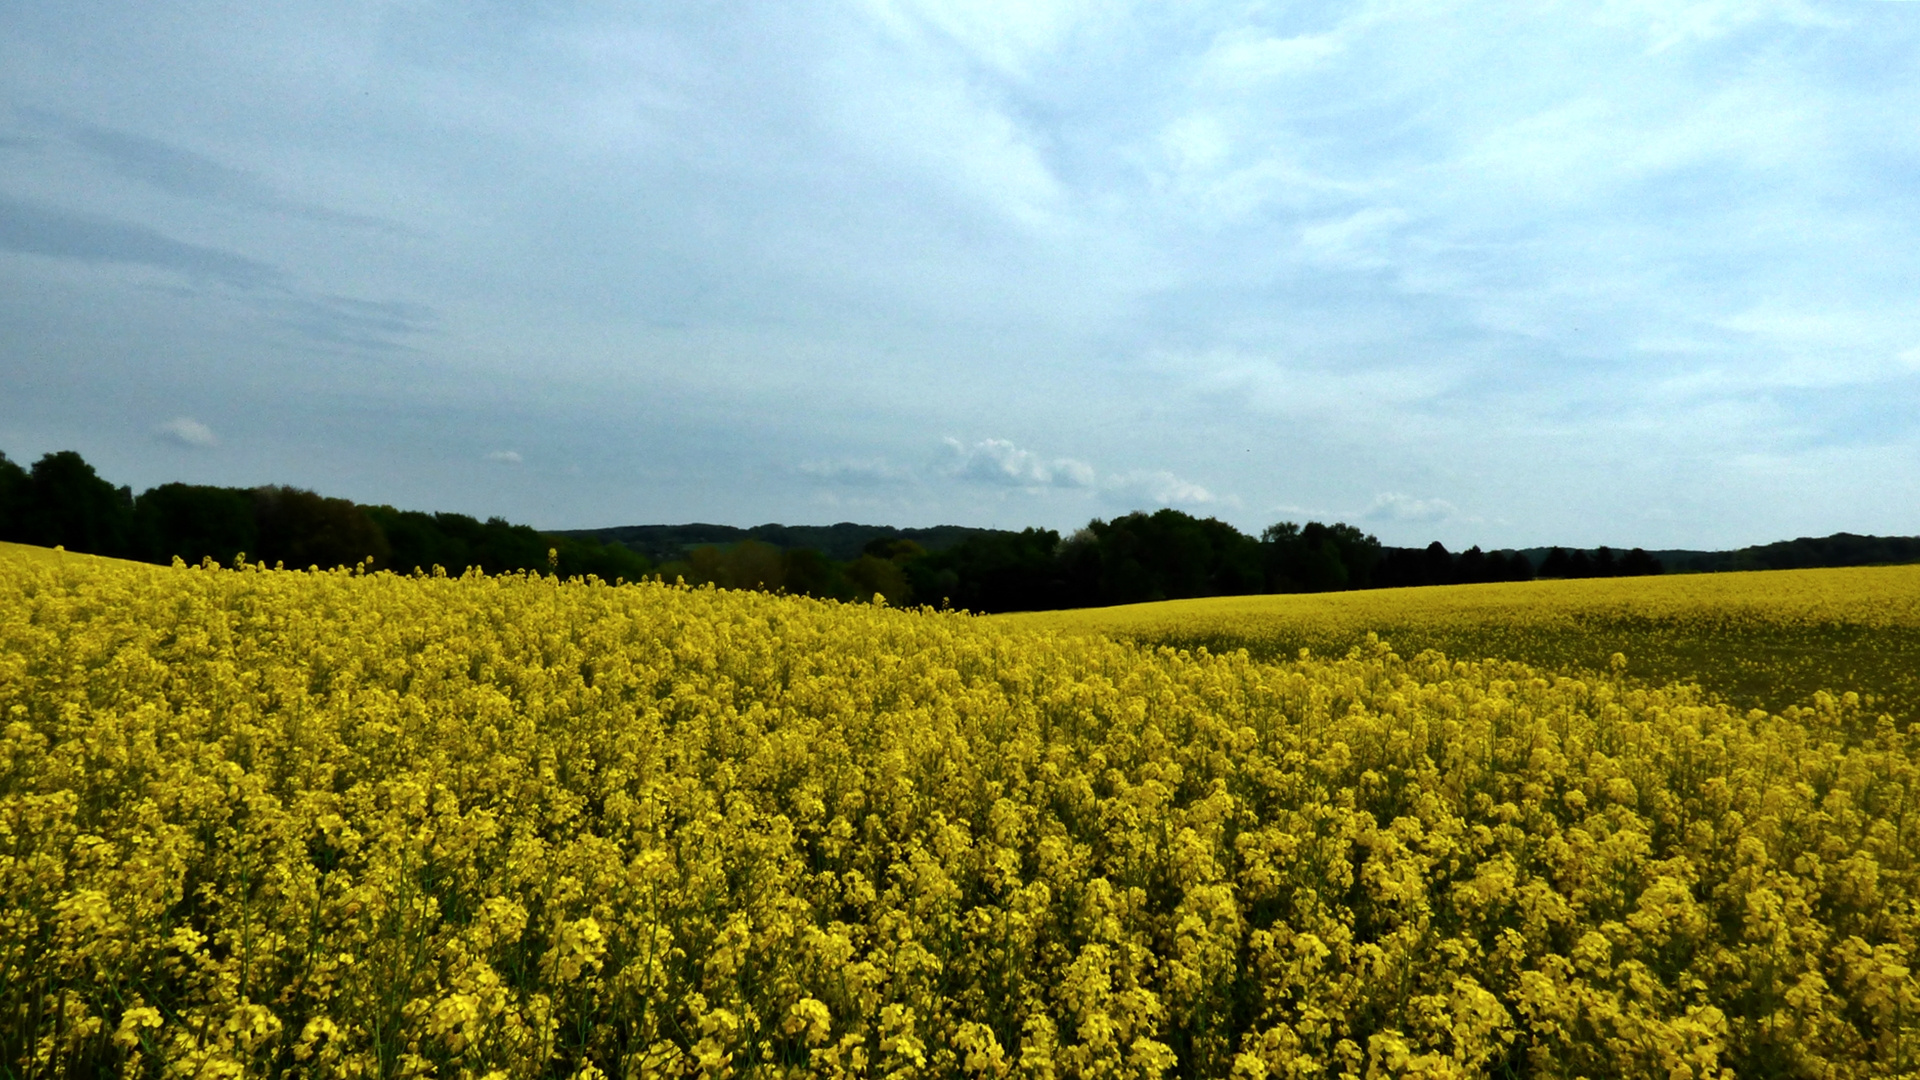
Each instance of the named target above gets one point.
<point>1638,274</point>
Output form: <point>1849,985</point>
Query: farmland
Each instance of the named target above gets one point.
<point>261,822</point>
<point>1760,639</point>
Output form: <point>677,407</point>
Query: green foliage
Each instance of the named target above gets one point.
<point>608,562</point>
<point>63,502</point>
<point>1318,558</point>
<point>192,522</point>
<point>303,529</point>
<point>455,542</point>
<point>15,499</point>
<point>751,564</point>
<point>998,571</point>
<point>1164,555</point>
<point>1599,563</point>
<point>1839,549</point>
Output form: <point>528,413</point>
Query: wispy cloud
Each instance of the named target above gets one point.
<point>41,230</point>
<point>183,172</point>
<point>373,325</point>
<point>871,472</point>
<point>505,457</point>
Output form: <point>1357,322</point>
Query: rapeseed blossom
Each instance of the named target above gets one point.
<point>1762,638</point>
<point>259,822</point>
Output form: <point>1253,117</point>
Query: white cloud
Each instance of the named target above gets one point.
<point>1242,58</point>
<point>997,461</point>
<point>1795,346</point>
<point>1007,35</point>
<point>1357,241</point>
<point>185,431</point>
<point>1005,465</point>
<point>917,109</point>
<point>1668,24</point>
<point>1393,506</point>
<point>1164,489</point>
<point>506,457</point>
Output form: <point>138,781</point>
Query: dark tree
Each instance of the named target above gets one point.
<point>897,550</point>
<point>1002,571</point>
<point>870,574</point>
<point>1160,556</point>
<point>1471,567</point>
<point>1638,562</point>
<point>15,498</point>
<point>1318,566</point>
<point>69,505</point>
<point>303,529</point>
<point>810,573</point>
<point>1604,564</point>
<point>1317,558</point>
<point>1557,564</point>
<point>457,542</point>
<point>1436,564</point>
<point>194,523</point>
<point>608,562</point>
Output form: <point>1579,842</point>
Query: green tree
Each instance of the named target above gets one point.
<point>1318,558</point>
<point>303,529</point>
<point>68,504</point>
<point>871,574</point>
<point>15,498</point>
<point>194,522</point>
<point>608,562</point>
<point>998,571</point>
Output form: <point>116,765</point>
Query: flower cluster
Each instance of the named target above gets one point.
<point>1759,639</point>
<point>261,822</point>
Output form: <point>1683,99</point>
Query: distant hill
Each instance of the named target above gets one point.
<point>846,540</point>
<point>1805,553</point>
<point>842,542</point>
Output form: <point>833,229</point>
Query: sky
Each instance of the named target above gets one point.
<point>1624,272</point>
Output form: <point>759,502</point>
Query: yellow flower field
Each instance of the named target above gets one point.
<point>333,824</point>
<point>1767,638</point>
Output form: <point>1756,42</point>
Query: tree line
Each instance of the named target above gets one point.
<point>1171,555</point>
<point>63,502</point>
<point>1840,549</point>
<point>1163,555</point>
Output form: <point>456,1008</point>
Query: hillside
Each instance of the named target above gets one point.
<point>1759,639</point>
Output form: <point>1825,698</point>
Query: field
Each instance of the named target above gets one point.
<point>1759,639</point>
<point>343,824</point>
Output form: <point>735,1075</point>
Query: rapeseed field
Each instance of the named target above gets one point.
<point>258,822</point>
<point>1759,639</point>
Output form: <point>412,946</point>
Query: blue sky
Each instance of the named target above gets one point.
<point>1630,273</point>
